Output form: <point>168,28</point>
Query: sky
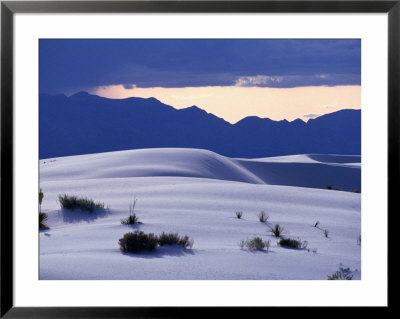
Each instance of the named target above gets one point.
<point>231,78</point>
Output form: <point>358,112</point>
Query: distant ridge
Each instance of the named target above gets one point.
<point>85,123</point>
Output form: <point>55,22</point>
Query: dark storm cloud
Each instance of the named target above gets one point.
<point>71,65</point>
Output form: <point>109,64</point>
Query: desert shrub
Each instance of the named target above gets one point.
<point>42,221</point>
<point>333,188</point>
<point>83,203</point>
<point>326,233</point>
<point>277,230</point>
<point>359,240</point>
<point>41,195</point>
<point>263,217</point>
<point>255,244</point>
<point>314,250</point>
<point>138,241</point>
<point>175,239</point>
<point>292,243</point>
<point>132,218</point>
<point>316,224</point>
<point>239,215</point>
<point>341,274</point>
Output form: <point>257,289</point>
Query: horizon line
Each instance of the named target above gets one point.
<point>196,106</point>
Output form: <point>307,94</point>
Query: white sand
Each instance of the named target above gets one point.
<point>196,193</point>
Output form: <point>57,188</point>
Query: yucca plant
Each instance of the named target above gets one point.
<point>263,217</point>
<point>239,215</point>
<point>132,218</point>
<point>277,230</point>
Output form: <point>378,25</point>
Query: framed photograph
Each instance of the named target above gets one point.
<point>191,156</point>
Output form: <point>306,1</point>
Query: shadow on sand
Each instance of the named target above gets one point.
<point>45,231</point>
<point>133,227</point>
<point>160,252</point>
<point>77,216</point>
<point>256,251</point>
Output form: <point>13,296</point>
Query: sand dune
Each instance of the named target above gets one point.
<point>317,171</point>
<point>196,193</point>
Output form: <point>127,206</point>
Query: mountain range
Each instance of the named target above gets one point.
<point>85,123</point>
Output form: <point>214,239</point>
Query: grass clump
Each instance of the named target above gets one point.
<point>263,217</point>
<point>277,230</point>
<point>341,274</point>
<point>255,244</point>
<point>137,241</point>
<point>82,203</point>
<point>132,218</point>
<point>292,243</point>
<point>42,221</point>
<point>239,215</point>
<point>175,239</point>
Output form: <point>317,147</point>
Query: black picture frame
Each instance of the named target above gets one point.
<point>9,8</point>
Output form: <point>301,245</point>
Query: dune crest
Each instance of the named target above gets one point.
<point>315,171</point>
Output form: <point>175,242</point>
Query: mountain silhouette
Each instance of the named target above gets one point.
<point>85,123</point>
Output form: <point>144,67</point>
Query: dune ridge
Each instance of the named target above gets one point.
<point>307,170</point>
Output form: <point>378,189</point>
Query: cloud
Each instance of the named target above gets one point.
<point>85,63</point>
<point>289,81</point>
<point>311,116</point>
<point>129,86</point>
<point>258,80</point>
